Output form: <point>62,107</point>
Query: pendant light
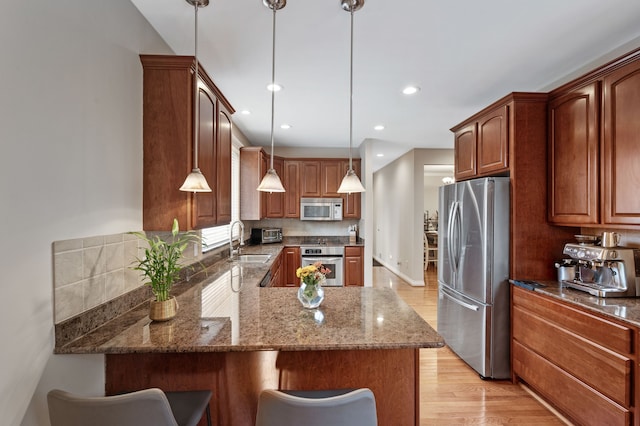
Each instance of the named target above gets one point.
<point>271,182</point>
<point>351,182</point>
<point>195,181</point>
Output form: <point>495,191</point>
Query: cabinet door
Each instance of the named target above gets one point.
<point>223,162</point>
<point>275,200</point>
<point>621,168</point>
<point>351,207</point>
<point>493,141</point>
<point>353,266</point>
<point>573,157</point>
<point>331,175</point>
<point>310,179</point>
<point>465,152</point>
<point>292,185</point>
<point>291,262</point>
<point>204,209</point>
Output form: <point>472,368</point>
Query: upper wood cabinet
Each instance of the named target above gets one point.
<point>465,144</point>
<point>292,196</point>
<point>310,179</point>
<point>574,178</point>
<point>301,178</point>
<point>594,149</point>
<point>168,108</point>
<point>482,144</point>
<point>621,146</point>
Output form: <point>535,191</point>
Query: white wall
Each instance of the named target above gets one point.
<point>71,164</point>
<point>398,205</point>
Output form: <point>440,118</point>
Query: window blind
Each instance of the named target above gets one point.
<point>219,235</point>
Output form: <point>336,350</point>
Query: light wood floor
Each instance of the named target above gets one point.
<point>451,393</point>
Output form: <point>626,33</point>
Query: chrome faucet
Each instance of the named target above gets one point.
<point>231,250</point>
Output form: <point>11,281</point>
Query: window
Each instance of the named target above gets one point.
<point>219,235</point>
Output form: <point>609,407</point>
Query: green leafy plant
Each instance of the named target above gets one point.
<point>161,261</point>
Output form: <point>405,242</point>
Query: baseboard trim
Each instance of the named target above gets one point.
<point>548,406</point>
<point>408,280</point>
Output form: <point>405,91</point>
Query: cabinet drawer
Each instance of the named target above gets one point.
<point>353,251</point>
<point>595,365</point>
<point>579,401</point>
<point>611,335</point>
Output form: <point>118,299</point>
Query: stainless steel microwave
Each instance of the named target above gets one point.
<point>321,209</point>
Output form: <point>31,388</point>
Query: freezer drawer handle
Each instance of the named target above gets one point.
<point>466,305</point>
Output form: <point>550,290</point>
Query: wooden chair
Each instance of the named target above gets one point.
<point>430,252</point>
<point>348,407</point>
<point>149,407</point>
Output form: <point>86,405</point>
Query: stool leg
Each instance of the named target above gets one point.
<point>208,415</point>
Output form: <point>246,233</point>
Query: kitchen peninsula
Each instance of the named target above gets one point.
<point>236,338</point>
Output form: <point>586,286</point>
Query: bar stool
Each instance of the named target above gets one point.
<point>148,407</point>
<point>347,407</point>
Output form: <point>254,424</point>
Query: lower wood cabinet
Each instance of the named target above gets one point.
<point>354,266</point>
<point>276,272</point>
<point>290,263</point>
<point>582,363</point>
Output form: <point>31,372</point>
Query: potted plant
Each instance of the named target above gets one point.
<point>161,267</point>
<point>310,293</point>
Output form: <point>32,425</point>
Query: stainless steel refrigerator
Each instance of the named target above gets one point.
<point>473,273</point>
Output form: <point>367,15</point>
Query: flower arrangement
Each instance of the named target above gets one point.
<point>311,275</point>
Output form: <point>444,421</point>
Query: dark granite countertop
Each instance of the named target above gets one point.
<point>625,309</point>
<point>226,310</point>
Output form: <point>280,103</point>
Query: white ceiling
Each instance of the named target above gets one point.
<point>464,54</point>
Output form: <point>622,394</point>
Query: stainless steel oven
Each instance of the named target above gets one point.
<point>331,257</point>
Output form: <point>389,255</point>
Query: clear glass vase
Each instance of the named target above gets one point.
<point>310,295</point>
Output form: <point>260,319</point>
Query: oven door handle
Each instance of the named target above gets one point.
<point>323,259</point>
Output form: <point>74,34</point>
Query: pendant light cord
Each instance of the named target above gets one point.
<point>273,82</point>
<point>196,109</point>
<point>351,94</point>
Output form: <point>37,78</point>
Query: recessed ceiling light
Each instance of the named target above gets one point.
<point>410,90</point>
<point>379,127</point>
<point>379,155</point>
<point>285,126</point>
<point>245,112</point>
<point>274,87</point>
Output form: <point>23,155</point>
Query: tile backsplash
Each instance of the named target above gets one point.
<point>90,271</point>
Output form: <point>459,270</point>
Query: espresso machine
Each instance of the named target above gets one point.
<point>602,271</point>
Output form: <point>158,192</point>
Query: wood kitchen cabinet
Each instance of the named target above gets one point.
<point>302,178</point>
<point>354,266</point>
<point>292,196</point>
<point>168,108</point>
<point>277,272</point>
<point>573,164</point>
<point>621,146</point>
<point>582,363</point>
<point>516,127</point>
<point>291,262</point>
<point>594,172</point>
<point>254,204</point>
<point>482,146</point>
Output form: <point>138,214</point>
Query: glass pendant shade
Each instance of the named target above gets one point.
<point>195,182</point>
<point>350,183</point>
<point>271,182</point>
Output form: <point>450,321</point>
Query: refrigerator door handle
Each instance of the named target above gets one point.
<point>475,308</point>
<point>454,236</point>
<point>450,235</point>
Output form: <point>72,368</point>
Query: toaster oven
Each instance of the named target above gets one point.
<point>266,235</point>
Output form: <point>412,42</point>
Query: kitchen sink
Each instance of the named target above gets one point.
<point>254,258</point>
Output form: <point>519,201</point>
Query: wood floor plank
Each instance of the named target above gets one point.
<point>451,393</point>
